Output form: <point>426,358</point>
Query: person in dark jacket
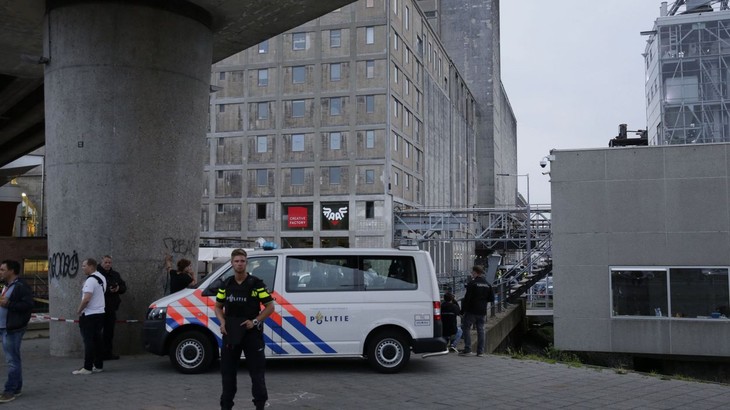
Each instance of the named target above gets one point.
<point>474,310</point>
<point>183,277</point>
<point>16,304</point>
<point>115,287</point>
<point>449,314</point>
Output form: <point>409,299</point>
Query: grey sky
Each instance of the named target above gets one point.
<point>573,71</point>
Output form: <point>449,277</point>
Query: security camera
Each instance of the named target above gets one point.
<point>543,162</point>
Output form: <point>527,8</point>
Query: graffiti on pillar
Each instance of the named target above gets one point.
<point>64,265</point>
<point>180,246</point>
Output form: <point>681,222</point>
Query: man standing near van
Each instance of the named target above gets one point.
<point>16,304</point>
<point>474,309</point>
<point>115,287</point>
<point>91,318</point>
<point>238,308</point>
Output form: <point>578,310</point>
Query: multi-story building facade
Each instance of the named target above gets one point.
<point>687,77</point>
<point>318,134</point>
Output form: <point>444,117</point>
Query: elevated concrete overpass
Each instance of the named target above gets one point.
<point>235,25</point>
<point>118,92</point>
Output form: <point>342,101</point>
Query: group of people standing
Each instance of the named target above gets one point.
<point>473,312</point>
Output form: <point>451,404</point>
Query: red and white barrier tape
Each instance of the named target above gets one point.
<point>60,319</point>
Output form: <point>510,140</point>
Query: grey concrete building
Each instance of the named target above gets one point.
<point>687,77</point>
<point>318,134</point>
<point>641,249</point>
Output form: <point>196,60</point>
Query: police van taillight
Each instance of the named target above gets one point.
<point>437,310</point>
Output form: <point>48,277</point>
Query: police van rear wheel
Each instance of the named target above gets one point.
<point>388,352</point>
<point>191,352</point>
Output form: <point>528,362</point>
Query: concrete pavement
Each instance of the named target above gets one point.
<point>149,382</point>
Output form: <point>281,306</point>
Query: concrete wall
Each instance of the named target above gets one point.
<point>644,206</point>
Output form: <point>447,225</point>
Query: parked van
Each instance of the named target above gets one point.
<point>379,304</point>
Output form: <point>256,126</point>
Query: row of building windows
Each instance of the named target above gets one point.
<point>297,176</point>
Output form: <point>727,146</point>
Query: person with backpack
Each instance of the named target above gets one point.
<point>474,310</point>
<point>91,318</point>
<point>449,313</point>
<point>238,309</point>
<point>16,304</point>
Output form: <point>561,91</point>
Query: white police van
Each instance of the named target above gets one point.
<point>379,304</point>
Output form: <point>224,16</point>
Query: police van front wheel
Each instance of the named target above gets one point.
<point>388,352</point>
<point>191,352</point>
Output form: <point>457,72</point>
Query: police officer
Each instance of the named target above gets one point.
<point>238,308</point>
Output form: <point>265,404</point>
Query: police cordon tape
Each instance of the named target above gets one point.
<point>60,319</point>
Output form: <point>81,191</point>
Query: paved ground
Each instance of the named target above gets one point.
<point>149,382</point>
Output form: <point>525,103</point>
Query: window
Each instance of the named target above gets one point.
<point>263,77</point>
<point>369,209</point>
<point>335,70</point>
<point>264,47</point>
<point>297,176</point>
<point>262,143</point>
<point>370,68</point>
<point>298,74</point>
<point>395,74</point>
<point>350,273</point>
<point>407,55</point>
<point>370,104</point>
<point>396,40</point>
<point>408,150</point>
<point>369,3</point>
<point>263,110</point>
<point>408,182</point>
<point>219,208</point>
<point>336,106</point>
<point>395,142</point>
<point>395,178</point>
<point>260,211</point>
<point>262,177</point>
<point>395,7</point>
<point>419,45</point>
<point>694,292</point>
<point>370,35</point>
<point>396,108</point>
<point>335,175</point>
<point>335,140</point>
<point>222,108</point>
<point>407,118</point>
<point>407,17</point>
<point>297,142</point>
<point>369,176</point>
<point>335,38</point>
<point>407,86</point>
<point>298,41</point>
<point>297,108</point>
<point>369,139</point>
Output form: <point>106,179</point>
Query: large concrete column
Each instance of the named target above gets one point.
<point>126,97</point>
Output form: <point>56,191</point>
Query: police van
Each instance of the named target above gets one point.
<point>378,304</point>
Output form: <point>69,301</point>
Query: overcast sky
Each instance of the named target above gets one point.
<point>573,71</point>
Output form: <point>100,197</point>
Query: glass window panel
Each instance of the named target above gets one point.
<point>335,38</point>
<point>262,143</point>
<point>335,106</point>
<point>335,140</point>
<point>369,176</point>
<point>299,41</point>
<point>263,77</point>
<point>335,175</point>
<point>264,47</point>
<point>370,103</point>
<point>299,74</point>
<point>370,139</point>
<point>370,68</point>
<point>370,35</point>
<point>263,110</point>
<point>297,176</point>
<point>262,177</point>
<point>637,292</point>
<point>699,292</point>
<point>297,108</point>
<point>297,142</point>
<point>335,71</point>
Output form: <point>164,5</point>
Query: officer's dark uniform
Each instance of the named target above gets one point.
<point>243,302</point>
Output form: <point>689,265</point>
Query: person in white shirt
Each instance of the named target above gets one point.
<point>91,318</point>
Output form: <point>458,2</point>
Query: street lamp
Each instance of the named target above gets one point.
<point>529,220</point>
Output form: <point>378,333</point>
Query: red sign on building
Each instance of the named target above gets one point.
<point>297,217</point>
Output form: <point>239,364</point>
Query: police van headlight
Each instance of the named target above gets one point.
<point>158,313</point>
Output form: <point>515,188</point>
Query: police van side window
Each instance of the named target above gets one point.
<point>350,273</point>
<point>264,268</point>
<point>323,274</point>
<point>390,273</point>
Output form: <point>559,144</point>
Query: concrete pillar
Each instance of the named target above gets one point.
<point>126,97</point>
